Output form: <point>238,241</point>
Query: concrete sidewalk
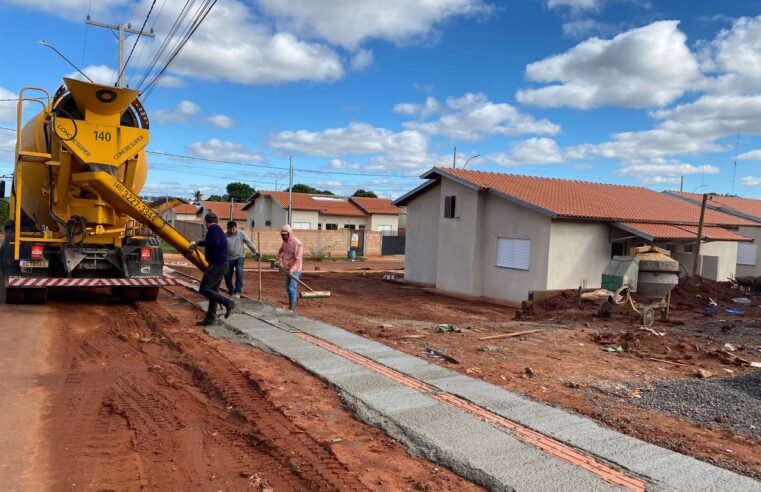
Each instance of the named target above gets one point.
<point>420,413</point>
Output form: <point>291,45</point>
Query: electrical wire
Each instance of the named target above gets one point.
<point>170,34</point>
<point>124,67</point>
<point>87,27</point>
<point>250,164</point>
<point>142,46</point>
<point>204,12</point>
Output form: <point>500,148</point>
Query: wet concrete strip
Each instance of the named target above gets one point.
<point>413,417</point>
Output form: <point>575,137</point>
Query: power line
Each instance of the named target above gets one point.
<point>142,46</point>
<point>124,67</point>
<point>247,164</point>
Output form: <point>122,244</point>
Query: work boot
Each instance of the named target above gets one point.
<point>236,295</point>
<point>292,305</point>
<point>206,322</point>
<point>229,306</point>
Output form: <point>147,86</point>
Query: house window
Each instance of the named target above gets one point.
<point>385,229</point>
<point>361,226</point>
<point>513,253</point>
<point>302,225</point>
<point>688,248</point>
<point>319,227</point>
<point>350,226</point>
<point>449,207</point>
<point>747,254</point>
<point>267,223</point>
<point>252,223</point>
<point>331,227</point>
<point>618,249</point>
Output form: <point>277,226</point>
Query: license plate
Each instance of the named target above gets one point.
<point>33,263</point>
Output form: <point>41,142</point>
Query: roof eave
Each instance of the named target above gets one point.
<point>632,230</point>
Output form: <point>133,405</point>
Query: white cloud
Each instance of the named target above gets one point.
<point>8,108</point>
<point>223,150</point>
<point>751,180</point>
<point>362,59</point>
<point>578,28</point>
<point>220,121</point>
<point>662,171</point>
<point>531,151</point>
<point>348,23</point>
<point>735,55</point>
<point>171,81</point>
<point>647,66</point>
<point>753,155</point>
<point>473,117</point>
<point>179,114</point>
<point>100,74</point>
<point>339,164</point>
<point>585,166</point>
<point>355,139</point>
<point>574,4</point>
<point>234,44</point>
<point>74,10</point>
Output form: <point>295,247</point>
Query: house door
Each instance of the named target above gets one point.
<point>357,241</point>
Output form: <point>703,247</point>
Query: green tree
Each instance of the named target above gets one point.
<point>197,197</point>
<point>216,198</point>
<point>240,192</point>
<point>365,194</point>
<point>3,212</point>
<point>302,188</point>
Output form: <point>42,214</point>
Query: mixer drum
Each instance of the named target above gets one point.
<point>658,275</point>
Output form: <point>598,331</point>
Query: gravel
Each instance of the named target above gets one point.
<point>731,403</point>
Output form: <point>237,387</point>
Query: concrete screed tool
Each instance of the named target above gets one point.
<point>312,294</point>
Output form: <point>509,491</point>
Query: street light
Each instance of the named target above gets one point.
<point>697,188</point>
<point>469,158</point>
<point>48,45</point>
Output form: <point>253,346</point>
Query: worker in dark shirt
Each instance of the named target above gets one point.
<point>216,254</point>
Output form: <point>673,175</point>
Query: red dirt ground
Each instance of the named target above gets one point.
<point>137,398</point>
<point>564,364</point>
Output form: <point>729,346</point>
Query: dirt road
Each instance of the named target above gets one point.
<point>564,364</point>
<point>109,396</point>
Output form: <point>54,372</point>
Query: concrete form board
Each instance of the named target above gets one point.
<point>383,402</point>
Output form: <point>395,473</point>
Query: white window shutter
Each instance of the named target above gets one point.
<point>747,253</point>
<point>513,253</point>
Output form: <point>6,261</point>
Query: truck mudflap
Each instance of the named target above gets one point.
<point>32,282</point>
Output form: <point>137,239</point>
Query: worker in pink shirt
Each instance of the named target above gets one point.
<point>290,256</point>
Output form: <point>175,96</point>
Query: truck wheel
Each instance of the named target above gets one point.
<point>149,294</point>
<point>36,296</point>
<point>9,295</point>
<point>130,294</point>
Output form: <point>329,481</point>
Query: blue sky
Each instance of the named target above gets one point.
<point>370,94</point>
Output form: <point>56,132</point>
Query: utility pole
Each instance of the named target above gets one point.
<point>681,184</point>
<point>232,203</point>
<point>696,261</point>
<point>290,190</point>
<point>119,31</point>
<point>454,158</point>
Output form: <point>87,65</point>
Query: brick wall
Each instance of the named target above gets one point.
<point>336,243</point>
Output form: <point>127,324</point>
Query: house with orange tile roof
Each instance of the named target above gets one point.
<point>183,211</point>
<point>270,209</point>
<point>503,235</point>
<point>225,211</point>
<point>748,263</point>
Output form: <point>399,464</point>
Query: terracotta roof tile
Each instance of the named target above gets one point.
<point>597,201</point>
<point>377,205</point>
<point>680,232</point>
<point>222,209</point>
<point>728,204</point>
<point>185,208</point>
<point>325,205</point>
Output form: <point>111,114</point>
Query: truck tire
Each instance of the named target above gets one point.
<point>129,294</point>
<point>9,295</point>
<point>149,294</point>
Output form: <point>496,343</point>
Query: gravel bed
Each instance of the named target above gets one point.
<point>732,403</point>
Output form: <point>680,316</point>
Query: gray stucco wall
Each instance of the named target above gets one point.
<point>750,270</point>
<point>422,237</point>
<point>726,251</point>
<point>578,254</point>
<point>459,254</point>
<point>507,220</point>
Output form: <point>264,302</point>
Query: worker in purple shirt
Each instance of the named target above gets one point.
<point>216,255</point>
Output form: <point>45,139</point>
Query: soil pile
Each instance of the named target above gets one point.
<point>647,344</point>
<point>566,299</point>
<point>694,292</point>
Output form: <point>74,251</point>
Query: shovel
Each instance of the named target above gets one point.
<point>312,294</point>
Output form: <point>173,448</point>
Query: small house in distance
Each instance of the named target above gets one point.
<point>322,212</point>
<point>183,212</point>
<point>746,208</point>
<point>225,211</point>
<point>502,235</point>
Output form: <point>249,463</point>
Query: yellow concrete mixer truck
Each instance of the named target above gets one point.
<point>76,219</point>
